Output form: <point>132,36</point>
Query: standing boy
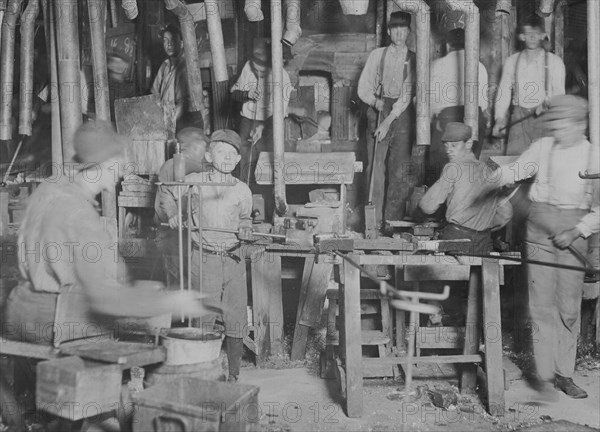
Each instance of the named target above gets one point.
<point>386,86</point>
<point>226,204</point>
<point>563,214</point>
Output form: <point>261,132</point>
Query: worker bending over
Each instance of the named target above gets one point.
<point>460,187</point>
<point>563,214</point>
<point>226,204</point>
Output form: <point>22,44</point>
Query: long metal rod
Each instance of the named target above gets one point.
<point>471,68</point>
<point>180,242</point>
<point>189,245</point>
<point>7,173</point>
<point>593,29</point>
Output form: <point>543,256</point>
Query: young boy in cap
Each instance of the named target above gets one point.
<point>386,86</point>
<point>467,215</point>
<point>225,204</point>
<point>563,214</point>
<point>529,78</point>
<point>254,89</point>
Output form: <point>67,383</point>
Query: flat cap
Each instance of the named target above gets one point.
<point>566,107</point>
<point>456,131</point>
<point>399,19</point>
<point>96,141</point>
<point>170,28</point>
<point>227,136</point>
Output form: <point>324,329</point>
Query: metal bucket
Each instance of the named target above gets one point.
<point>191,345</point>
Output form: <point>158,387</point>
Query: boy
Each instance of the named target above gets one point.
<point>467,215</point>
<point>563,214</point>
<point>223,206</point>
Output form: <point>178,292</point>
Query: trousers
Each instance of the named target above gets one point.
<point>554,294</point>
<point>522,134</point>
<point>391,162</point>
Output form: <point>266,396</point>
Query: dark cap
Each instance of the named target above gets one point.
<point>532,21</point>
<point>189,135</point>
<point>96,141</point>
<point>399,19</point>
<point>261,55</point>
<point>456,37</point>
<point>227,136</point>
<point>171,28</point>
<point>457,132</point>
<point>566,107</point>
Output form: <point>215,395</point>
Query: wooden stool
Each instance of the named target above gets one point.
<point>380,338</point>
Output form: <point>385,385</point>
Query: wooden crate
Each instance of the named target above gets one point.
<point>72,388</point>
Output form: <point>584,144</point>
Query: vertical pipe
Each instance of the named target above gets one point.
<point>281,206</point>
<point>26,79</point>
<point>379,20</point>
<point>49,22</point>
<point>219,63</point>
<point>69,88</point>
<point>471,68</point>
<point>7,67</point>
<point>593,28</point>
<point>2,10</point>
<point>190,47</point>
<point>559,29</point>
<point>292,22</point>
<point>97,14</point>
<point>253,10</point>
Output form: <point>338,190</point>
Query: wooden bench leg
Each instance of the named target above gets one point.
<point>493,337</point>
<point>472,331</point>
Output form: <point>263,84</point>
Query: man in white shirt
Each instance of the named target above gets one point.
<point>564,213</point>
<point>386,85</point>
<point>447,99</point>
<point>529,78</point>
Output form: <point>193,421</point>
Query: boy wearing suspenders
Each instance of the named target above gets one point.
<point>529,78</point>
<point>386,86</point>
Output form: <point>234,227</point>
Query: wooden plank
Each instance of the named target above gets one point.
<point>315,280</point>
<point>436,273</point>
<point>350,327</point>
<point>441,337</point>
<point>141,200</point>
<point>473,358</point>
<point>266,288</point>
<point>24,349</point>
<point>383,243</point>
<point>493,337</point>
<point>365,294</point>
<point>309,168</point>
<point>128,354</point>
<point>418,259</point>
<point>367,337</point>
<point>473,329</point>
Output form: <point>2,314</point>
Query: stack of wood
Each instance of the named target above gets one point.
<point>139,189</point>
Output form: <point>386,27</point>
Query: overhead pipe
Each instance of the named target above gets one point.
<point>57,156</point>
<point>69,67</point>
<point>97,15</point>
<point>26,79</point>
<point>220,82</point>
<point>593,29</point>
<point>281,205</point>
<point>293,31</point>
<point>131,8</point>
<point>379,20</point>
<point>2,10</point>
<point>545,8</point>
<point>471,67</point>
<point>7,67</point>
<point>503,6</point>
<point>253,10</point>
<point>190,47</point>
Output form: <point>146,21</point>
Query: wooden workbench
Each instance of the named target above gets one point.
<point>350,346</point>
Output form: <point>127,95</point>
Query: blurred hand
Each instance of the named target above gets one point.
<point>383,129</point>
<point>564,239</point>
<point>499,129</point>
<point>254,94</point>
<point>174,222</point>
<point>379,105</point>
<point>245,233</point>
<point>195,305</point>
<point>540,109</point>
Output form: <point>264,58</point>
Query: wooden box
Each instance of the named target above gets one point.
<point>72,388</point>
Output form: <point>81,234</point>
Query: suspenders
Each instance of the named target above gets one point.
<point>516,86</point>
<point>379,90</point>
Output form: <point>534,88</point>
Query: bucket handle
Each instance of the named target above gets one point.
<point>159,421</point>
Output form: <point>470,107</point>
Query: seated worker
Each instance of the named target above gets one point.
<point>223,206</point>
<point>564,212</point>
<point>459,187</point>
<point>64,251</point>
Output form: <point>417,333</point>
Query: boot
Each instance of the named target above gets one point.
<point>569,387</point>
